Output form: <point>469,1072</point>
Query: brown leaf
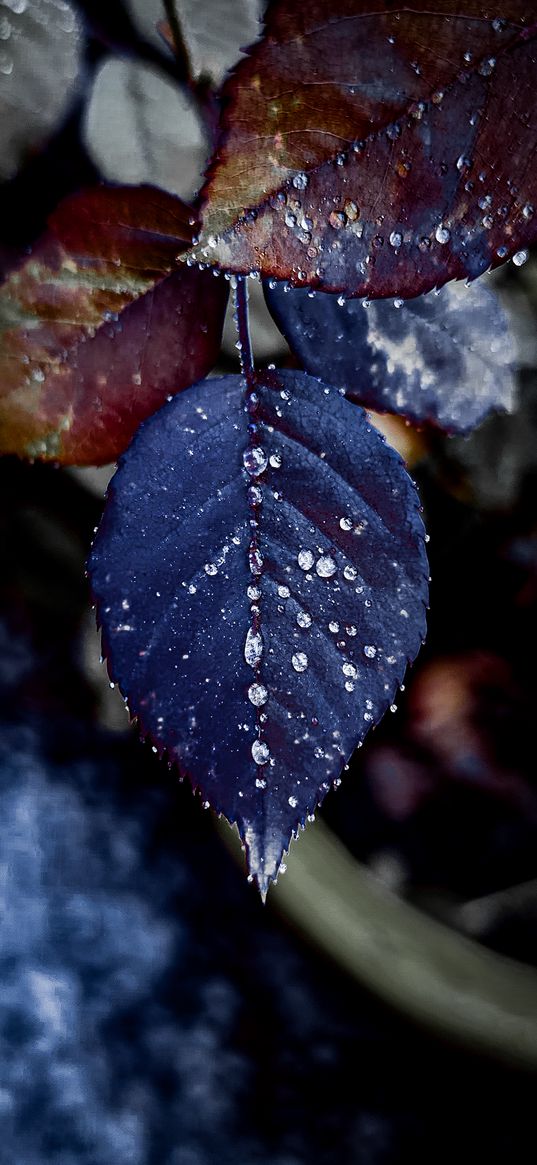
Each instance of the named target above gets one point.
<point>98,326</point>
<point>378,152</point>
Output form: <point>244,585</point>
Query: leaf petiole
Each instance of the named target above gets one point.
<point>242,322</point>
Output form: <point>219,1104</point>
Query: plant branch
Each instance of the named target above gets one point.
<point>444,981</point>
<point>182,57</point>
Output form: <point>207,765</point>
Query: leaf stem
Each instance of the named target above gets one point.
<point>243,330</point>
<point>201,88</point>
<point>430,973</point>
<point>180,50</point>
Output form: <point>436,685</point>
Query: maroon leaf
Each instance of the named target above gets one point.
<point>378,152</point>
<point>98,326</point>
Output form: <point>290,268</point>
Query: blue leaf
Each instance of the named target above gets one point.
<point>446,358</point>
<point>259,620</point>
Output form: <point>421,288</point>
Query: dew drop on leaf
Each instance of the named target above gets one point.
<point>305,559</point>
<point>260,752</point>
<point>253,648</point>
<point>257,694</point>
<point>350,669</point>
<point>325,566</point>
<point>303,619</point>
<point>255,460</point>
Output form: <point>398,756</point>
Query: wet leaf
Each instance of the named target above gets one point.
<point>446,358</point>
<point>378,152</point>
<point>39,65</point>
<point>98,326</point>
<point>140,127</point>
<point>258,657</point>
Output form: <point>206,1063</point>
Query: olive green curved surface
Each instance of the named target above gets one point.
<point>429,972</point>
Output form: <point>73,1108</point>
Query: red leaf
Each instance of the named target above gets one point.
<point>98,326</point>
<point>378,152</point>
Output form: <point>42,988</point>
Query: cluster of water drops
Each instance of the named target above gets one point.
<point>255,462</point>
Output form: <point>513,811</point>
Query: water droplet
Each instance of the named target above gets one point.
<point>325,566</point>
<point>370,651</point>
<point>303,619</point>
<point>305,559</point>
<point>345,523</point>
<point>350,669</point>
<point>300,181</point>
<point>260,752</point>
<point>396,239</point>
<point>442,235</point>
<point>293,802</point>
<point>210,568</point>
<point>351,210</point>
<point>488,222</point>
<point>284,592</point>
<point>257,694</point>
<point>300,661</point>
<point>520,258</point>
<point>487,66</point>
<point>253,647</point>
<point>349,686</point>
<point>528,210</point>
<point>275,460</point>
<point>255,559</point>
<point>255,495</point>
<point>350,572</point>
<point>255,460</point>
<point>253,593</point>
